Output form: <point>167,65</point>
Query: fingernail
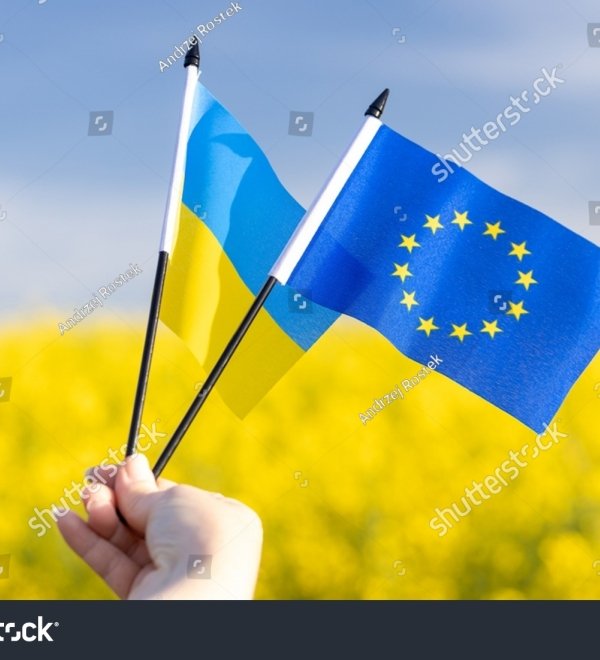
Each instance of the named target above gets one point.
<point>137,466</point>
<point>90,474</point>
<point>60,511</point>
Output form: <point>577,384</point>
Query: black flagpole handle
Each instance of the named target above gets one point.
<point>214,375</point>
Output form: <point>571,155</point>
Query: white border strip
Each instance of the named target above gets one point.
<point>310,223</point>
<point>178,174</point>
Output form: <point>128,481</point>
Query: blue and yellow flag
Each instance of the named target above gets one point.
<point>235,219</point>
<point>503,298</point>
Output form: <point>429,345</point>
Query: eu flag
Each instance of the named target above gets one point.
<point>503,296</point>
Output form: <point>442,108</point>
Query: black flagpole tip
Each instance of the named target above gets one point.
<point>377,107</point>
<point>192,57</point>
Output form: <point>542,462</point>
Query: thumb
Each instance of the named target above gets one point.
<point>136,491</point>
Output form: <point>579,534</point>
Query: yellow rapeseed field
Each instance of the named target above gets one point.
<point>346,506</point>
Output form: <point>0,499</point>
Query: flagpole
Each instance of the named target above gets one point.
<point>191,64</point>
<point>214,375</point>
<point>374,111</point>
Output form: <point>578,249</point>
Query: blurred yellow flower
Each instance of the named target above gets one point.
<point>346,506</point>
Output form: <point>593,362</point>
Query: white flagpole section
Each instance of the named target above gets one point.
<point>178,173</point>
<point>315,215</point>
<point>192,64</point>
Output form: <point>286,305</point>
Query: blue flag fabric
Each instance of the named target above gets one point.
<point>505,297</point>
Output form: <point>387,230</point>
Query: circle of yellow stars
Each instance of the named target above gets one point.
<point>461,331</point>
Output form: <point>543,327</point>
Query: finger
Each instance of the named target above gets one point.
<point>107,475</point>
<point>136,490</point>
<point>100,507</point>
<point>103,519</point>
<point>114,567</point>
<point>103,474</point>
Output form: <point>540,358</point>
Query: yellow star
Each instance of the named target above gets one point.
<point>519,251</point>
<point>409,299</point>
<point>460,331</point>
<point>493,230</point>
<point>433,223</point>
<point>461,220</point>
<point>526,279</point>
<point>402,271</point>
<point>427,325</point>
<point>491,328</point>
<point>409,242</point>
<point>516,309</point>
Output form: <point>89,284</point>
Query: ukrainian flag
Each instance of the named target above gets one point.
<point>235,219</point>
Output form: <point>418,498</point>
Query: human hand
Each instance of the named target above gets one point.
<point>168,523</point>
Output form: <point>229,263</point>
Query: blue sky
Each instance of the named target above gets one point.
<point>77,209</point>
